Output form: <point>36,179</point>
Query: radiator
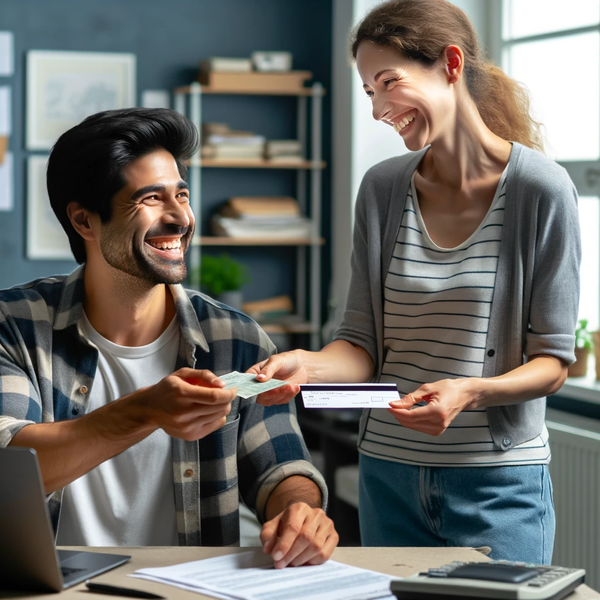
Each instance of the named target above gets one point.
<point>575,471</point>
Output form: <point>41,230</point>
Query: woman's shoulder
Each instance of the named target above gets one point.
<point>387,176</point>
<point>536,172</point>
<point>394,167</point>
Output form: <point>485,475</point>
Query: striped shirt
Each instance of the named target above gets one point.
<point>47,369</point>
<point>436,314</point>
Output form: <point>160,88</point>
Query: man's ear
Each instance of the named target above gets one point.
<point>455,63</point>
<point>81,221</point>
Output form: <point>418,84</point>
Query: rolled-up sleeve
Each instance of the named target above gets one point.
<point>19,401</point>
<point>270,449</point>
<point>555,286</point>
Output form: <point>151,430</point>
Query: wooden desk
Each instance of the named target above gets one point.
<point>393,561</point>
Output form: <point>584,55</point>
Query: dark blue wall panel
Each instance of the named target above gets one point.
<point>169,38</point>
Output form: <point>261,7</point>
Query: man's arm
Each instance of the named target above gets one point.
<point>298,532</point>
<point>188,404</point>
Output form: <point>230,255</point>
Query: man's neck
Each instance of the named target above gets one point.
<point>126,310</point>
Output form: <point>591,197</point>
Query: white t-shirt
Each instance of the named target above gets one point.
<point>129,499</point>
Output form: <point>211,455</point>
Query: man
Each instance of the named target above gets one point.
<point>111,373</point>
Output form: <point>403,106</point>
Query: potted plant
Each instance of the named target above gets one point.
<point>583,345</point>
<point>223,277</point>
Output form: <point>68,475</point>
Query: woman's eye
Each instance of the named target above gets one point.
<point>369,93</point>
<point>387,82</point>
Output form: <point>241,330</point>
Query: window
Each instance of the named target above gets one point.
<point>554,50</point>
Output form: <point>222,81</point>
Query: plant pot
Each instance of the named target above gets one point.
<point>579,367</point>
<point>235,299</point>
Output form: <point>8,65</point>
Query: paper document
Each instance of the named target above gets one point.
<point>348,395</point>
<point>251,576</point>
<point>247,385</point>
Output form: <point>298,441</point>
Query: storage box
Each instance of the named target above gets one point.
<point>256,82</point>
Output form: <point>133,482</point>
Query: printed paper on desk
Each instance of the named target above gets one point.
<point>348,395</point>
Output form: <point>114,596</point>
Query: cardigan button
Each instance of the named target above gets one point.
<point>506,442</point>
<point>491,353</point>
<point>83,389</point>
<point>188,472</point>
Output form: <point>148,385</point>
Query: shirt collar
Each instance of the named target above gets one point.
<point>70,309</point>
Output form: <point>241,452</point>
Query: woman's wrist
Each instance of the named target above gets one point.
<point>476,390</point>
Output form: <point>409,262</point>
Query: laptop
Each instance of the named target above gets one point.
<point>28,557</point>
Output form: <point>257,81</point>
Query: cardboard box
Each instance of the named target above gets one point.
<point>256,82</point>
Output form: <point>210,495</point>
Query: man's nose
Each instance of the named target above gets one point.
<point>178,213</point>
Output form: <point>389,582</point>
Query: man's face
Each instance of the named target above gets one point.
<point>152,223</point>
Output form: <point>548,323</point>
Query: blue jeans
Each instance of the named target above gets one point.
<point>509,509</point>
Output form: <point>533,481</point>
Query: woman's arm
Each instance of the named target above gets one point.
<point>339,361</point>
<point>540,376</point>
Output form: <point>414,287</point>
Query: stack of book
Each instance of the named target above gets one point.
<point>222,142</point>
<point>261,217</point>
<point>284,151</point>
<point>270,309</point>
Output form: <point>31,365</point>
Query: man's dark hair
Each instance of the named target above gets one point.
<point>86,163</point>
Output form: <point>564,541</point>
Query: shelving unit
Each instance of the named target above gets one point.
<point>188,101</point>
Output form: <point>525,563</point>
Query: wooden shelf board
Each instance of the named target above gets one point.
<point>266,241</point>
<point>255,164</point>
<point>206,89</point>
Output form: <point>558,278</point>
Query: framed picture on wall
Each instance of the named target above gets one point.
<point>46,238</point>
<point>65,87</point>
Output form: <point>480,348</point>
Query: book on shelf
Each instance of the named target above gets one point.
<point>269,309</point>
<point>232,151</point>
<point>224,64</point>
<point>284,228</point>
<point>248,207</point>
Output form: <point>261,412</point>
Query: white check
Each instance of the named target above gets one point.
<point>348,395</point>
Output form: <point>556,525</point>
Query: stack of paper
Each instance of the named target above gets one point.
<point>251,576</point>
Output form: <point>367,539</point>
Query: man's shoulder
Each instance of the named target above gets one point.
<point>42,292</point>
<point>220,321</point>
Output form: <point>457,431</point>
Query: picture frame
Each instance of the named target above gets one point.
<point>64,87</point>
<point>46,239</point>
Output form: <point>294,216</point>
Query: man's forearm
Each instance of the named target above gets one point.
<point>293,489</point>
<point>69,449</point>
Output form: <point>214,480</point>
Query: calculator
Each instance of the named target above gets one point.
<point>499,579</point>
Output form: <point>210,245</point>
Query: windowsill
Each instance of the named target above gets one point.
<point>582,388</point>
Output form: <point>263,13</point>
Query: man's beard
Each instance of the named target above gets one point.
<point>149,268</point>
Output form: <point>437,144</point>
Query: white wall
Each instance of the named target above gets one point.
<point>359,141</point>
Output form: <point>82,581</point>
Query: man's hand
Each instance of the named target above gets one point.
<point>300,535</point>
<point>189,404</point>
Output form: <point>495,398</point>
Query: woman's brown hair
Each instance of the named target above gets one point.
<point>423,29</point>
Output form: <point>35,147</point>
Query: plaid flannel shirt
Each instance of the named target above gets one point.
<point>47,370</point>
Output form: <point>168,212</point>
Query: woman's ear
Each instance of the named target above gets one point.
<point>454,59</point>
<point>81,221</point>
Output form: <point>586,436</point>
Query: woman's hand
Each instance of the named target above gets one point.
<point>445,399</point>
<point>287,366</point>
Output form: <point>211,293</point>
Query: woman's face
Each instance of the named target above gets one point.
<point>416,100</point>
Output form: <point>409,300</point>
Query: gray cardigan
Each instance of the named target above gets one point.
<point>536,296</point>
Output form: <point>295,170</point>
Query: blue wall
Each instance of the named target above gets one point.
<point>169,38</point>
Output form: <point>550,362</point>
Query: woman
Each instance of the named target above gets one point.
<point>464,292</point>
